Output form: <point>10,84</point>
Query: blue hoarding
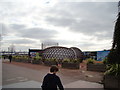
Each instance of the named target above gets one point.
<point>101,55</point>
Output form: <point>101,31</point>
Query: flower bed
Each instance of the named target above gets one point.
<point>36,62</point>
<point>70,64</point>
<point>50,61</point>
<point>111,82</point>
<point>112,77</point>
<point>24,59</point>
<point>96,67</point>
<point>93,66</point>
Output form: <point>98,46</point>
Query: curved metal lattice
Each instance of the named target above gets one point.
<point>61,53</point>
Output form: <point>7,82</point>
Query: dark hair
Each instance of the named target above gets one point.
<point>54,68</point>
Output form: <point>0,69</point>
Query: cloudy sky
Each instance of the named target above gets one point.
<point>88,25</point>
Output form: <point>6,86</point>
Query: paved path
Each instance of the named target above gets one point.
<point>83,84</point>
<point>17,76</point>
<point>27,84</point>
<point>35,84</point>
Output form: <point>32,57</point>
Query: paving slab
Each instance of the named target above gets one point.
<point>35,84</point>
<point>28,84</point>
<point>0,87</point>
<point>83,84</point>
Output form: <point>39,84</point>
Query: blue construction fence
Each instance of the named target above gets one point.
<point>97,55</point>
<point>101,55</point>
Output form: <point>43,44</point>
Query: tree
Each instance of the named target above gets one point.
<point>11,48</point>
<point>114,55</point>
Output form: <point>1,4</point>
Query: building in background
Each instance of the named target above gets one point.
<point>61,53</point>
<point>57,52</point>
<point>34,52</point>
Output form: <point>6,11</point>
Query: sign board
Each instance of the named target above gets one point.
<point>32,54</point>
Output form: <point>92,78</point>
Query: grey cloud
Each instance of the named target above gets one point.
<point>22,48</point>
<point>37,33</point>
<point>92,19</point>
<point>86,44</point>
<point>7,29</point>
<point>17,26</point>
<point>60,21</point>
<point>22,41</point>
<point>67,42</point>
<point>15,10</point>
<point>4,29</point>
<point>89,18</point>
<point>7,9</point>
<point>33,33</point>
<point>92,28</point>
<point>60,42</point>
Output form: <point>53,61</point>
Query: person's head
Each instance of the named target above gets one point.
<point>54,69</point>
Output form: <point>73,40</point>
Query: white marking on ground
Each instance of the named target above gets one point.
<point>19,77</point>
<point>11,79</point>
<point>89,75</point>
<point>22,80</point>
<point>83,71</point>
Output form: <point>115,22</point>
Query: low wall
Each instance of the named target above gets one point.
<point>96,67</point>
<point>71,65</point>
<point>111,82</point>
<point>49,63</point>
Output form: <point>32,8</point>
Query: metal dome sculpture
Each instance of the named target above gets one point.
<point>61,53</point>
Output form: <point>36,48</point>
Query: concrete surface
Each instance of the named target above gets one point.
<point>35,84</point>
<point>20,75</point>
<point>28,84</point>
<point>83,84</point>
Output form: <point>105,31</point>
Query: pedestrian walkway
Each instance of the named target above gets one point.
<point>83,84</point>
<point>0,87</point>
<point>35,84</point>
<point>28,84</point>
<point>24,75</point>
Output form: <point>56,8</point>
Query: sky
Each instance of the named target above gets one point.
<point>86,24</point>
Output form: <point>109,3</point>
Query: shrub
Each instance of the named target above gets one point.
<point>51,59</point>
<point>66,60</point>
<point>113,69</point>
<point>37,58</point>
<point>105,61</point>
<point>90,61</point>
<point>80,60</point>
<point>74,60</point>
<point>70,60</point>
<point>20,58</point>
<point>13,57</point>
<point>47,59</point>
<point>35,61</point>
